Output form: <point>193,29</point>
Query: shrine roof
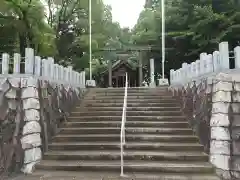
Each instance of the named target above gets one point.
<point>131,65</point>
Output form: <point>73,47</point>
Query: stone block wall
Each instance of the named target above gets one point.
<point>212,106</point>
<point>31,111</point>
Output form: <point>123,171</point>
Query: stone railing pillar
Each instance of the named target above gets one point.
<point>29,61</point>
<point>152,73</point>
<point>224,55</point>
<point>5,63</point>
<point>237,57</point>
<point>209,64</point>
<point>16,63</point>
<point>37,66</point>
<point>216,61</point>
<point>203,63</point>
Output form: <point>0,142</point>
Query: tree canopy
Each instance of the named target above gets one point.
<point>60,28</point>
<point>192,27</point>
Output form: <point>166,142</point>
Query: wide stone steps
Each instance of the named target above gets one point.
<point>110,130</point>
<point>159,142</point>
<point>140,146</point>
<point>129,118</point>
<point>129,104</point>
<point>136,94</point>
<point>90,175</point>
<point>137,108</point>
<point>130,113</point>
<point>142,123</point>
<point>129,138</point>
<point>128,155</point>
<point>128,97</point>
<point>130,90</point>
<point>145,101</point>
<point>129,166</point>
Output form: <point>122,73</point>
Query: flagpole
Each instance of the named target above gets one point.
<point>163,37</point>
<point>90,39</point>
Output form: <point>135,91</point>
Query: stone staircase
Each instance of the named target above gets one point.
<point>159,142</point>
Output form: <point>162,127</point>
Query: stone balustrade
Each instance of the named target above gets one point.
<point>36,96</point>
<point>212,106</point>
<point>44,68</point>
<point>206,65</point>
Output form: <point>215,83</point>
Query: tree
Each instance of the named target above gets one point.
<point>192,27</point>
<point>25,20</point>
<point>59,28</point>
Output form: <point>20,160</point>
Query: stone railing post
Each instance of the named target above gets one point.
<point>70,74</point>
<point>237,57</point>
<point>216,61</point>
<point>66,75</point>
<point>198,68</point>
<point>45,68</point>
<point>171,76</point>
<point>203,63</point>
<point>175,77</point>
<point>189,72</point>
<point>16,63</point>
<point>209,63</point>
<point>184,72</point>
<point>224,55</point>
<point>83,79</point>
<point>5,63</point>
<point>193,69</point>
<point>37,66</point>
<point>29,61</point>
<point>61,73</point>
<point>152,73</point>
<point>51,68</point>
<point>56,75</point>
<point>180,75</point>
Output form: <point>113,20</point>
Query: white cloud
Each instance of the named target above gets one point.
<point>126,12</point>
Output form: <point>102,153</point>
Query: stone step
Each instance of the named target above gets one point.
<point>137,146</point>
<point>130,90</point>
<point>109,130</point>
<point>130,113</point>
<point>129,138</point>
<point>120,108</point>
<point>129,166</point>
<point>131,94</point>
<point>129,118</point>
<point>130,97</point>
<point>130,104</point>
<point>145,101</point>
<point>162,124</point>
<point>90,175</point>
<point>128,155</point>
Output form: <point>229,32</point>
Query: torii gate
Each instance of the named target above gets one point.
<point>162,81</point>
<point>140,50</point>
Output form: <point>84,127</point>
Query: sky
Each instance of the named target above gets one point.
<point>126,12</point>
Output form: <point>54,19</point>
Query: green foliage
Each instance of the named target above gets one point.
<point>192,27</point>
<point>60,28</point>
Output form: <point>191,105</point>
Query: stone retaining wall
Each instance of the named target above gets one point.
<point>212,106</point>
<point>31,111</point>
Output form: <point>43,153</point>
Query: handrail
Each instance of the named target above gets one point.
<point>122,139</point>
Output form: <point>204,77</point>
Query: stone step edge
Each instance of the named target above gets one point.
<point>116,176</point>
